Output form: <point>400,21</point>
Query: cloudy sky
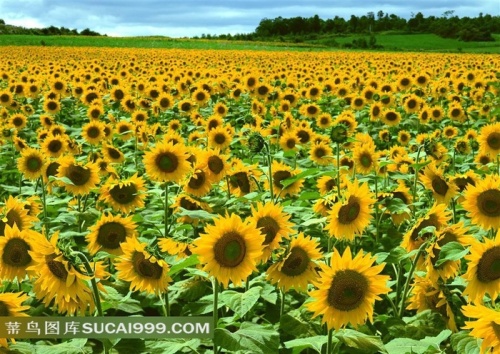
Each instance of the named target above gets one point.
<point>195,17</point>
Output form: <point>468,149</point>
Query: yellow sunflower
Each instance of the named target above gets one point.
<point>433,179</point>
<point>483,271</point>
<point>109,232</point>
<point>347,290</point>
<point>489,139</point>
<point>80,178</point>
<point>124,195</point>
<point>184,201</point>
<point>351,216</point>
<point>216,162</point>
<point>281,172</point>
<point>321,153</point>
<point>365,158</point>
<point>93,132</point>
<point>273,223</point>
<point>297,268</point>
<point>11,306</point>
<point>482,202</point>
<point>219,137</point>
<point>240,178</point>
<point>54,146</point>
<point>289,141</point>
<point>31,163</point>
<point>486,326</point>
<point>14,213</point>
<point>199,182</point>
<point>167,162</point>
<point>175,248</point>
<point>229,249</point>
<point>112,154</point>
<point>144,271</point>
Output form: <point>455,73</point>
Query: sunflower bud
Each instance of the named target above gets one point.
<point>256,143</point>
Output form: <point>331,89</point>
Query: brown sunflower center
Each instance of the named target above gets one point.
<point>189,205</point>
<point>93,132</point>
<point>279,176</point>
<point>15,253</point>
<point>18,121</point>
<point>269,227</point>
<point>220,138</point>
<point>488,203</point>
<point>111,234</point>
<point>78,175</point>
<point>124,194</point>
<point>366,160</point>
<point>391,116</point>
<point>376,111</point>
<point>304,136</point>
<point>312,110</point>
<point>52,169</point>
<point>296,263</point>
<point>319,152</point>
<point>488,267</point>
<point>348,290</point>
<point>145,268</point>
<point>52,105</point>
<point>412,104</point>
<point>4,309</point>
<point>55,146</point>
<point>493,141</point>
<point>215,164</point>
<point>230,250</point>
<point>349,212</point>
<point>439,185</point>
<point>57,268</point>
<point>167,162</point>
<point>197,180</point>
<point>330,184</point>
<point>290,143</point>
<point>34,163</point>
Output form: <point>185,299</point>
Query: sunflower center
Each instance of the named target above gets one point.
<point>197,180</point>
<point>189,205</point>
<point>15,253</point>
<point>78,175</point>
<point>215,164</point>
<point>18,122</point>
<point>13,217</point>
<point>312,110</point>
<point>240,180</point>
<point>58,269</point>
<point>319,152</point>
<point>304,136</point>
<point>391,116</point>
<point>145,268</point>
<point>488,267</point>
<point>348,213</point>
<point>167,162</point>
<point>123,194</point>
<point>279,176</point>
<point>93,132</point>
<point>34,163</point>
<point>230,250</point>
<point>488,203</point>
<point>269,227</point>
<point>55,146</point>
<point>493,141</point>
<point>348,290</point>
<point>439,185</point>
<point>111,234</point>
<point>114,154</point>
<point>4,309</point>
<point>366,160</point>
<point>296,263</point>
<point>52,169</point>
<point>220,138</point>
<point>52,105</point>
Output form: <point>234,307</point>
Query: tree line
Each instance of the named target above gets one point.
<point>47,31</point>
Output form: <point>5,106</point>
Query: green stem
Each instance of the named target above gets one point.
<point>282,304</point>
<point>270,171</point>
<point>376,209</point>
<point>79,213</point>
<point>91,273</point>
<point>44,204</point>
<point>414,189</point>
<point>216,308</point>
<point>329,344</point>
<point>408,279</point>
<point>338,170</point>
<point>228,188</point>
<point>165,304</point>
<point>166,210</point>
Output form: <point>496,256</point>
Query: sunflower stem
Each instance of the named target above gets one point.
<point>282,303</point>
<point>165,304</point>
<point>216,308</point>
<point>408,279</point>
<point>166,210</point>
<point>228,188</point>
<point>91,273</point>
<point>44,204</point>
<point>79,213</point>
<point>270,171</point>
<point>377,233</point>
<point>329,344</point>
<point>414,189</point>
<point>338,170</point>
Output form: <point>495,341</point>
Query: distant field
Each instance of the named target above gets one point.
<point>390,42</point>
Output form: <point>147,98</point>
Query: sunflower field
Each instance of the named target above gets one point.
<point>304,202</point>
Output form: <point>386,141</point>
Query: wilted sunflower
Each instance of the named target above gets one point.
<point>483,271</point>
<point>273,223</point>
<point>11,306</point>
<point>109,232</point>
<point>58,281</point>
<point>485,327</point>
<point>437,216</point>
<point>297,268</point>
<point>80,178</point>
<point>351,216</point>
<point>126,195</point>
<point>347,290</point>
<point>433,179</point>
<point>31,163</point>
<point>482,202</point>
<point>144,271</point>
<point>229,249</point>
<point>489,139</point>
<point>281,172</point>
<point>167,162</point>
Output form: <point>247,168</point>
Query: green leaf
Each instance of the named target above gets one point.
<point>452,251</point>
<point>358,340</point>
<point>172,346</point>
<point>289,181</point>
<point>73,346</point>
<point>250,338</point>
<point>241,303</point>
<point>393,257</point>
<point>293,324</point>
<point>314,221</point>
<point>462,342</point>
<point>397,206</point>
<point>407,345</point>
<point>315,343</point>
<point>197,214</point>
<point>186,262</point>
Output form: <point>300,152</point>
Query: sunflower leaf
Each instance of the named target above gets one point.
<point>359,340</point>
<point>241,303</point>
<point>309,172</point>
<point>196,214</point>
<point>186,262</point>
<point>452,251</point>
<point>250,338</point>
<point>315,343</point>
<point>462,342</point>
<point>425,345</point>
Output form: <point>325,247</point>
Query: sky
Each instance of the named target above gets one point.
<point>190,18</point>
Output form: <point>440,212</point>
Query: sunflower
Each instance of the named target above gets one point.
<point>273,223</point>
<point>437,216</point>
<point>117,94</point>
<point>297,268</point>
<point>14,213</point>
<point>433,179</point>
<point>144,271</point>
<point>404,137</point>
<point>93,132</point>
<point>289,141</point>
<point>184,201</point>
<point>281,172</point>
<point>6,98</point>
<point>31,163</point>
<point>391,117</point>
<point>216,163</point>
<point>167,162</point>
<point>403,194</point>
<point>18,121</point>
<point>54,146</point>
<point>310,110</point>
<point>219,137</point>
<point>324,120</point>
<point>11,306</point>
<point>124,196</point>
<point>112,154</point>
<point>326,184</point>
<point>489,139</point>
<point>58,281</point>
<point>15,257</point>
<point>351,216</point>
<point>199,182</point>
<point>321,153</point>
<point>80,179</point>
<point>485,327</point>
<point>240,178</point>
<point>483,271</point>
<point>229,249</point>
<point>175,248</point>
<point>347,290</point>
<point>365,158</point>
<point>125,130</point>
<point>51,106</point>
<point>109,232</point>
<point>482,202</point>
